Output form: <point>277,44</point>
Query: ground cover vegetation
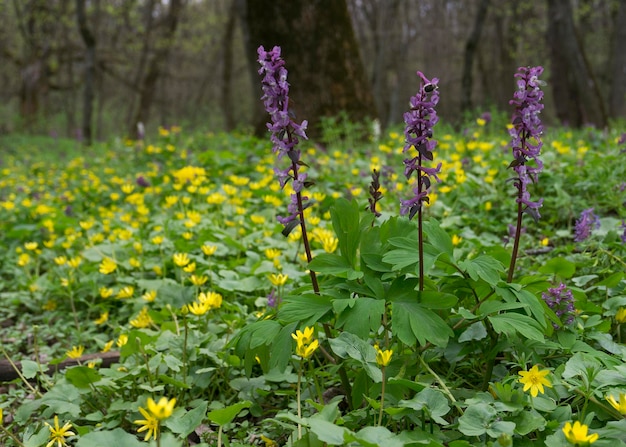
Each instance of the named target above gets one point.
<point>427,287</point>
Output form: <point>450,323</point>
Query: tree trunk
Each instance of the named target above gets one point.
<point>467,77</point>
<point>155,65</point>
<point>577,98</point>
<point>321,53</point>
<point>90,69</point>
<point>227,71</point>
<point>617,93</point>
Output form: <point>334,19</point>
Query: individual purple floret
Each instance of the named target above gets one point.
<point>526,135</point>
<point>420,120</point>
<point>585,225</point>
<point>273,299</point>
<point>561,301</point>
<point>623,235</point>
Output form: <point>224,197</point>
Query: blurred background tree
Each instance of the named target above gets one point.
<point>95,69</point>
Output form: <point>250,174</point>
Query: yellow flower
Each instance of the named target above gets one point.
<point>32,246</point>
<point>105,292</point>
<point>157,240</point>
<point>305,351</point>
<point>125,292</point>
<point>620,316</point>
<point>535,380</point>
<point>122,340</point>
<point>213,299</point>
<point>181,259</point>
<point>456,240</point>
<point>108,345</point>
<point>162,409</point>
<point>107,266</point>
<point>190,268</point>
<point>198,307</point>
<point>149,296</point>
<point>383,358</point>
<point>76,352</point>
<point>23,259</point>
<point>278,279</point>
<point>577,434</point>
<point>268,442</point>
<point>272,253</point>
<point>104,316</point>
<point>545,242</point>
<point>150,425</point>
<point>58,434</point>
<point>198,280</point>
<point>60,260</point>
<point>74,262</point>
<point>619,406</point>
<point>143,319</point>
<point>134,262</point>
<point>330,244</point>
<point>305,345</point>
<point>209,249</point>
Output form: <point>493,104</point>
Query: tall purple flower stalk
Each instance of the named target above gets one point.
<point>526,146</point>
<point>586,223</point>
<point>561,301</point>
<point>420,120</point>
<point>286,134</point>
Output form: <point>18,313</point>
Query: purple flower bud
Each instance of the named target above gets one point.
<point>141,181</point>
<point>585,225</point>
<point>561,301</point>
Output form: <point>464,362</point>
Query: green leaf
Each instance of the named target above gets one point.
<point>334,264</point>
<point>477,419</point>
<point>116,437</point>
<point>438,237</point>
<point>345,218</point>
<point>82,376</point>
<point>282,347</point>
<point>413,322</point>
<point>327,432</point>
<point>431,401</point>
<point>63,398</point>
<point>437,300</point>
<point>226,415</point>
<point>560,267</point>
<point>511,323</point>
<point>475,331</point>
<point>247,284</point>
<point>349,345</point>
<point>483,267</point>
<point>361,315</point>
<point>375,437</point>
<point>29,368</point>
<point>308,308</point>
<point>183,424</point>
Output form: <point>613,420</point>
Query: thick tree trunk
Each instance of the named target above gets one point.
<point>467,77</point>
<point>318,43</point>
<point>576,95</point>
<point>90,69</point>
<point>617,94</point>
<point>155,65</point>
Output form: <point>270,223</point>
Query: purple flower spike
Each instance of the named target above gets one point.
<point>561,301</point>
<point>420,120</point>
<point>585,225</point>
<point>285,131</point>
<point>526,134</point>
<point>623,235</point>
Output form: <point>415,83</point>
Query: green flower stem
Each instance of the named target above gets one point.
<point>441,383</point>
<point>382,396</point>
<point>19,373</point>
<point>12,436</point>
<point>298,401</point>
<point>518,233</point>
<point>147,360</point>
